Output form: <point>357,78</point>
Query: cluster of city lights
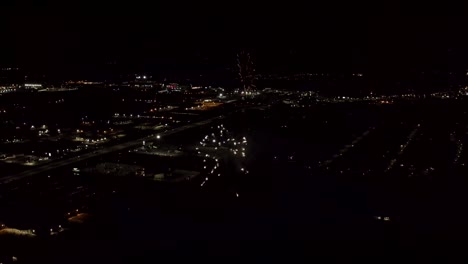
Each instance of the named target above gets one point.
<point>221,143</point>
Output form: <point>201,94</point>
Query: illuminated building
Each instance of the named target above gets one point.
<point>32,86</point>
<point>176,87</point>
<point>142,81</point>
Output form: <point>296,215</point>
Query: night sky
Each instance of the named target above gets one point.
<point>197,37</point>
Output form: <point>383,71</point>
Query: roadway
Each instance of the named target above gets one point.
<point>110,149</point>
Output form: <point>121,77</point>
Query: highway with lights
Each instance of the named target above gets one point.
<point>110,149</point>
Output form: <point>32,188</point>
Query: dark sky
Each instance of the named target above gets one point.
<point>192,37</point>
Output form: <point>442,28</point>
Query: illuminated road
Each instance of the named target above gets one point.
<point>115,148</point>
<point>347,147</point>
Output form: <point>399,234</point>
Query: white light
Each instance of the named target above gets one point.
<point>158,136</point>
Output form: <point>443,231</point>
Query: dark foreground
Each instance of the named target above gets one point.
<point>335,181</point>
